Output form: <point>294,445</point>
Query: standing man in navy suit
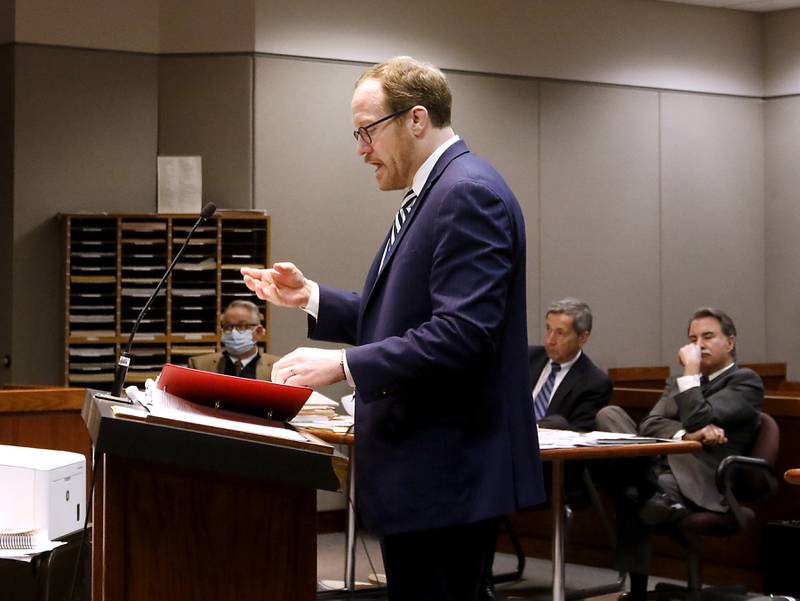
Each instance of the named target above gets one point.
<point>445,436</point>
<point>578,389</point>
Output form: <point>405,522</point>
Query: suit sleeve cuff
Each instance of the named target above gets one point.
<point>312,308</point>
<point>347,375</point>
<point>687,382</point>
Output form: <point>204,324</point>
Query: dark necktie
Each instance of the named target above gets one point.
<point>704,382</point>
<point>238,367</point>
<point>542,400</point>
<point>405,209</point>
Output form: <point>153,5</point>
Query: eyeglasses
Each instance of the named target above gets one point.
<point>239,327</point>
<point>362,133</point>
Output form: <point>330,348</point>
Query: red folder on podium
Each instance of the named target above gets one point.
<point>256,397</point>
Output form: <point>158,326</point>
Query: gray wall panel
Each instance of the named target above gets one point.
<point>85,141</point>
<point>6,204</point>
<point>782,122</point>
<point>713,216</point>
<point>498,118</point>
<point>327,213</point>
<point>628,42</point>
<point>599,214</point>
<point>205,108</point>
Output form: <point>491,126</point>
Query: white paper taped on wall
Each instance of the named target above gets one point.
<point>180,184</point>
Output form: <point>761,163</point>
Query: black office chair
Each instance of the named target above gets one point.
<point>741,479</point>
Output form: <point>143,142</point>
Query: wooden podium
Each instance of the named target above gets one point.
<point>185,510</point>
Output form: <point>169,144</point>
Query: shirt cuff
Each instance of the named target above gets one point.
<point>679,434</point>
<point>687,382</point>
<point>312,308</point>
<point>347,375</point>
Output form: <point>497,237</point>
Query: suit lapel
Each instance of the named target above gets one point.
<point>567,383</point>
<point>719,382</point>
<point>536,368</point>
<point>375,276</point>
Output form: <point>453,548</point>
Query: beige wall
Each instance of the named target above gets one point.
<point>85,140</point>
<point>207,25</point>
<point>6,21</point>
<point>600,214</point>
<point>213,121</point>
<point>619,183</point>
<point>107,24</point>
<point>646,204</point>
<point>782,125</point>
<point>712,216</point>
<point>782,198</point>
<point>634,42</point>
<point>6,204</point>
<point>782,53</point>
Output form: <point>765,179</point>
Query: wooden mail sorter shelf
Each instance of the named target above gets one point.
<point>113,263</point>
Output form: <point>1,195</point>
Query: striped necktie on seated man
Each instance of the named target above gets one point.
<point>542,400</point>
<point>402,214</point>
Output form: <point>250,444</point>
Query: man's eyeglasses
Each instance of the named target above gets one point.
<point>362,133</point>
<point>239,327</point>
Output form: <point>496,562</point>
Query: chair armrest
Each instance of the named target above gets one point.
<point>730,468</point>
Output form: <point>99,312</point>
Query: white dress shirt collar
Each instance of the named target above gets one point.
<point>719,372</point>
<point>421,176</point>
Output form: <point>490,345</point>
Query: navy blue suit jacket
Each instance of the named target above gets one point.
<point>445,432</point>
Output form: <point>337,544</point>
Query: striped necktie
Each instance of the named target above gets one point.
<point>405,210</point>
<point>542,400</point>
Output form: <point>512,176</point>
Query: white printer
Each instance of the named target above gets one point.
<point>41,488</point>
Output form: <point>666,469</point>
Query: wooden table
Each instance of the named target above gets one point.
<point>557,457</point>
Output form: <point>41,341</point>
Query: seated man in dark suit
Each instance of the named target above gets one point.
<point>714,402</point>
<point>568,389</point>
<point>241,332</point>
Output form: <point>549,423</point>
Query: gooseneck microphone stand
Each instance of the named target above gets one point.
<point>125,358</point>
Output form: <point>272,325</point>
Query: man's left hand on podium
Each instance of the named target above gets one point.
<point>312,367</point>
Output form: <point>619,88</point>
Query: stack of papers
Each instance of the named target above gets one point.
<point>320,412</point>
<point>317,406</point>
<point>567,439</point>
<point>22,545</point>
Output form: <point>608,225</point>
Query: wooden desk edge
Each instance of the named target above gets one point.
<point>37,400</point>
<point>598,452</point>
<point>621,451</point>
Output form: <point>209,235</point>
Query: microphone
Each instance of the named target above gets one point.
<point>125,358</point>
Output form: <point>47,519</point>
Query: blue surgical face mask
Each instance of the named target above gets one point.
<point>238,343</point>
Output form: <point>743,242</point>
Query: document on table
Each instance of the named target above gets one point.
<point>566,439</point>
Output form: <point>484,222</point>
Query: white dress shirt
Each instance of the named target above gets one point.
<point>560,375</point>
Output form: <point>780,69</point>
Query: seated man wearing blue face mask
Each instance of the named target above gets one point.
<point>241,331</point>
